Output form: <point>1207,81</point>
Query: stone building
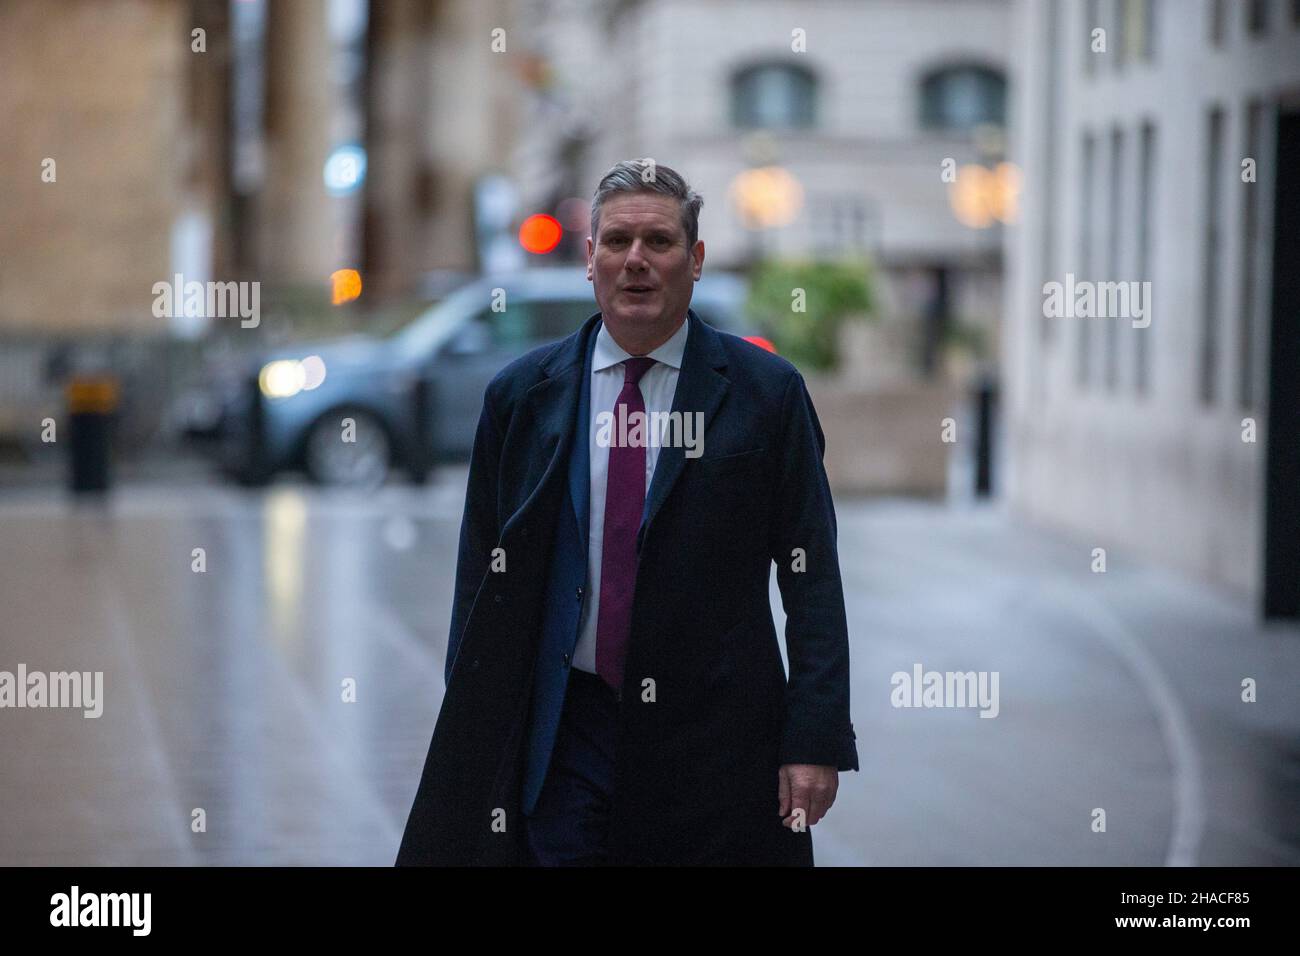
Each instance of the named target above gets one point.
<point>1158,144</point>
<point>859,103</point>
<point>150,138</point>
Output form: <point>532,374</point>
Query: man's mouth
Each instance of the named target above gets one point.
<point>638,288</point>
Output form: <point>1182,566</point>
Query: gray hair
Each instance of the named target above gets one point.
<point>647,176</point>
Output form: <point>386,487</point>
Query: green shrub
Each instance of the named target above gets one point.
<point>832,293</point>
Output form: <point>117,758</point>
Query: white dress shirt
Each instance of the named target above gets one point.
<point>658,385</point>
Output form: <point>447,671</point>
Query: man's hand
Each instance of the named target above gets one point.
<point>809,787</point>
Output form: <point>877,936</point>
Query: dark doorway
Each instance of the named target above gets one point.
<point>1282,462</point>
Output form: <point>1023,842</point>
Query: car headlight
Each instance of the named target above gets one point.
<point>285,378</point>
<point>282,378</point>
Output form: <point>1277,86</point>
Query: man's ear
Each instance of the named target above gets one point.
<point>590,250</point>
<point>697,258</point>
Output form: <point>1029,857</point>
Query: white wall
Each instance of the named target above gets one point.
<point>1160,474</point>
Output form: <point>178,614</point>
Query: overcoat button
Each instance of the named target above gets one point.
<point>498,598</point>
<point>579,593</point>
<point>474,664</point>
<point>566,660</point>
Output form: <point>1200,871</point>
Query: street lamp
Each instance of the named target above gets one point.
<point>765,197</point>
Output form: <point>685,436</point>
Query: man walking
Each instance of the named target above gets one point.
<point>615,688</point>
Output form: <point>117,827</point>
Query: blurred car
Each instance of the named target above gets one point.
<point>413,399</point>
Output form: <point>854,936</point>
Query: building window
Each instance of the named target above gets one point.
<point>1250,243</point>
<point>1145,206</point>
<point>773,96</point>
<point>1257,17</point>
<point>1209,350</point>
<point>1218,22</point>
<point>1113,242</point>
<point>839,225</point>
<point>1138,37</point>
<point>1091,21</point>
<point>1050,172</point>
<point>963,97</point>
<point>1084,326</point>
<point>1118,38</point>
<point>1295,13</point>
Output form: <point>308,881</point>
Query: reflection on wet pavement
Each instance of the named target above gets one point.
<point>273,664</point>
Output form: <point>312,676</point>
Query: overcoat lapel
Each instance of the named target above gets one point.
<point>700,388</point>
<point>551,415</point>
<point>558,401</point>
<point>580,459</point>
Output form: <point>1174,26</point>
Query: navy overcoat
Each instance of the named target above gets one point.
<point>708,714</point>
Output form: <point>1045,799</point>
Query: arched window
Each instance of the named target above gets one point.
<point>962,97</point>
<point>773,96</point>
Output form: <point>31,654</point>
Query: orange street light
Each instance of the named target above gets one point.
<point>345,285</point>
<point>766,196</point>
<point>981,195</point>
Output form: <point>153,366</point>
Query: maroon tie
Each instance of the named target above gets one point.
<point>624,502</point>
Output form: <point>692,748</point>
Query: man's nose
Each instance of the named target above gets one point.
<point>636,254</point>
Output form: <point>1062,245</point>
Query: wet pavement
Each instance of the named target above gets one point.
<point>285,695</point>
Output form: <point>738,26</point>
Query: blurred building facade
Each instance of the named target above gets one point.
<point>116,157</point>
<point>149,138</point>
<point>173,151</point>
<point>859,103</point>
<point>1168,157</point>
<point>442,109</point>
<point>115,133</point>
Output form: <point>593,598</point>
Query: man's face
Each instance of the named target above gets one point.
<point>641,268</point>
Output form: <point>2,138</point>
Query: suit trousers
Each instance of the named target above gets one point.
<point>570,824</point>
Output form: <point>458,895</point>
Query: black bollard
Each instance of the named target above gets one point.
<point>91,402</point>
<point>985,401</point>
<point>254,471</point>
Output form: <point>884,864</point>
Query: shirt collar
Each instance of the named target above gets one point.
<point>608,352</point>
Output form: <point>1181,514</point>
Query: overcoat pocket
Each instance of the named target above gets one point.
<point>726,464</point>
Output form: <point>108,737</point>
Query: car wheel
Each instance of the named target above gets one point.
<point>359,463</point>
